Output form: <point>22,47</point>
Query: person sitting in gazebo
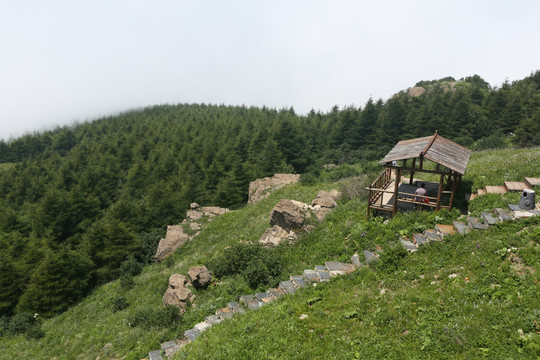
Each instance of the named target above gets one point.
<point>420,193</point>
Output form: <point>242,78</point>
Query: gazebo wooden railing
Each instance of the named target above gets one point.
<point>381,183</point>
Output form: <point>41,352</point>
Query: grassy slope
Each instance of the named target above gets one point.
<point>348,317</point>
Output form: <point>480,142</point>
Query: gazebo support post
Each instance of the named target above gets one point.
<point>439,194</point>
<point>412,171</point>
<point>454,184</point>
<point>396,188</point>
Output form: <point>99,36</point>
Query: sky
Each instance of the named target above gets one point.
<point>67,62</point>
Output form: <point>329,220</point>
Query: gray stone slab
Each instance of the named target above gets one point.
<point>233,306</point>
<point>461,227</point>
<point>202,326</point>
<point>355,260</point>
<point>224,313</point>
<point>172,350</point>
<point>420,239</point>
<point>370,257</point>
<point>338,268</point>
<point>287,286</point>
<point>168,344</point>
<point>514,207</point>
<point>520,214</point>
<point>261,296</point>
<point>489,219</point>
<point>409,246</point>
<point>191,334</point>
<point>276,292</point>
<point>155,355</point>
<point>213,319</point>
<point>244,298</point>
<point>476,224</point>
<point>503,215</point>
<point>445,230</point>
<point>324,275</point>
<point>432,235</point>
<point>320,268</point>
<point>311,276</point>
<point>254,304</point>
<point>298,281</point>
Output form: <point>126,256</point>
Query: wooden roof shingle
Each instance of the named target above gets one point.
<point>435,148</point>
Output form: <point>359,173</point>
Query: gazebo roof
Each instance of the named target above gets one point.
<point>435,148</point>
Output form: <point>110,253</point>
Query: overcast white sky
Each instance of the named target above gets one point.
<point>67,61</point>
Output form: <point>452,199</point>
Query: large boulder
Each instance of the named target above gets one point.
<point>273,236</point>
<point>175,238</point>
<point>262,188</point>
<point>289,214</point>
<point>200,276</point>
<point>177,293</point>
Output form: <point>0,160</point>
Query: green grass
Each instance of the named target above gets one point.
<point>464,298</point>
<point>349,317</point>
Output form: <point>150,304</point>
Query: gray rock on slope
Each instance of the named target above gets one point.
<point>200,276</point>
<point>262,188</point>
<point>175,238</point>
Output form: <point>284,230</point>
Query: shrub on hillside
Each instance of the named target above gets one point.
<point>258,266</point>
<point>155,318</point>
<point>130,266</point>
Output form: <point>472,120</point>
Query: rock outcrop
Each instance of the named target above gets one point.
<point>200,276</point>
<point>262,188</point>
<point>289,217</point>
<point>175,237</point>
<point>289,214</point>
<point>178,294</point>
<point>275,235</point>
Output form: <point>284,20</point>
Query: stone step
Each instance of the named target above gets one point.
<point>420,239</point>
<point>445,230</point>
<point>265,298</point>
<point>503,215</point>
<point>320,268</point>
<point>532,182</point>
<point>202,326</point>
<point>192,334</point>
<point>213,319</point>
<point>224,313</point>
<point>461,227</point>
<point>168,344</point>
<point>370,257</point>
<point>338,268</point>
<point>432,235</point>
<point>298,281</point>
<point>481,192</point>
<point>476,224</point>
<point>515,185</point>
<point>324,275</point>
<point>244,298</point>
<point>311,276</point>
<point>409,246</point>
<point>355,260</point>
<point>496,189</point>
<point>155,355</point>
<point>276,292</point>
<point>287,286</point>
<point>489,219</point>
<point>254,304</point>
<point>235,307</point>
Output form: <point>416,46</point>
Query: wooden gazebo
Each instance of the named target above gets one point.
<point>446,158</point>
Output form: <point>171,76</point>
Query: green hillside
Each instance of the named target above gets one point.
<point>407,306</point>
